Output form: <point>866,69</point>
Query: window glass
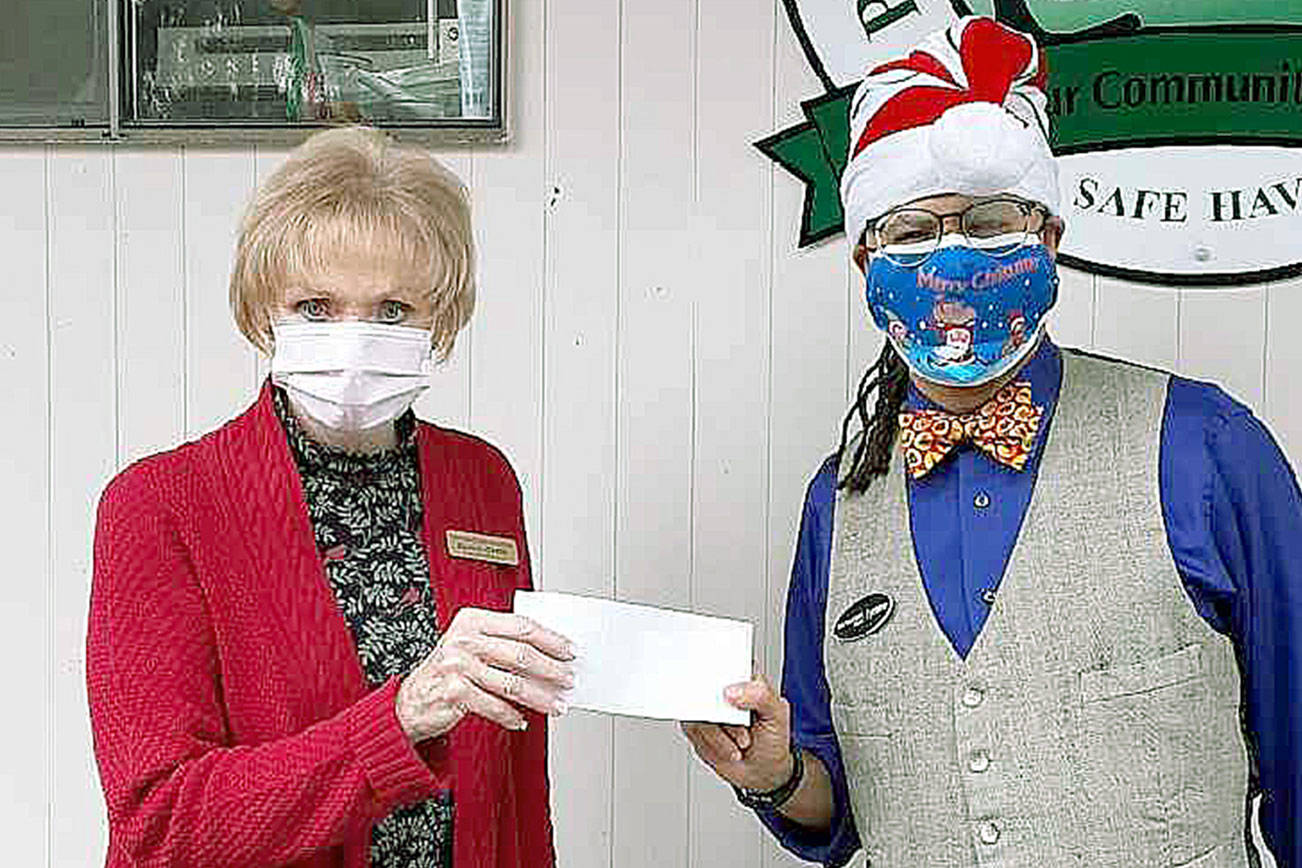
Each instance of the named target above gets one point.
<point>53,63</point>
<point>291,61</point>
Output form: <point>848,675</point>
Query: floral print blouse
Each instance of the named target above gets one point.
<point>366,514</point>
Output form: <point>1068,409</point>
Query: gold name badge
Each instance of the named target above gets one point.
<point>482,547</point>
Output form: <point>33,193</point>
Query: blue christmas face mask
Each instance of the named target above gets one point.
<point>962,316</point>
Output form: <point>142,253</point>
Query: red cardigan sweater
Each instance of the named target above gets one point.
<point>232,721</point>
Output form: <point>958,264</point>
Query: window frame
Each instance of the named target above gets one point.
<point>120,130</point>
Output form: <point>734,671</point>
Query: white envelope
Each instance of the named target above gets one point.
<point>645,661</point>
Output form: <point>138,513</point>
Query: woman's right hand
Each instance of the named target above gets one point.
<point>487,663</point>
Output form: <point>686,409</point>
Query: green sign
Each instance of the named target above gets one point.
<point>1176,87</point>
<point>815,152</point>
<point>1122,74</point>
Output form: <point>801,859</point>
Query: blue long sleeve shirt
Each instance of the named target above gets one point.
<point>1233,519</point>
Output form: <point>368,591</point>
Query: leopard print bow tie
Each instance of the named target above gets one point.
<point>1003,428</point>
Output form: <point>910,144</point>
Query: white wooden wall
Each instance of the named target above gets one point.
<point>663,367</point>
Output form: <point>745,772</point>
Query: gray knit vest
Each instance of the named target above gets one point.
<point>1095,721</point>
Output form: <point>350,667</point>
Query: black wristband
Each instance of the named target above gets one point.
<point>770,800</point>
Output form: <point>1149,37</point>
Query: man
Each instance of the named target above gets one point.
<point>1049,614</point>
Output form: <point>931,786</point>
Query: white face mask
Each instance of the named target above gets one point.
<point>350,375</point>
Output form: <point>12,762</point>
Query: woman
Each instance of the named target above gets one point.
<point>298,646</point>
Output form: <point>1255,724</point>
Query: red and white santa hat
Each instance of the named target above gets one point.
<point>964,113</point>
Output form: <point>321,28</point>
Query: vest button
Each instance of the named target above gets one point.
<point>979,761</point>
<point>972,697</point>
<point>981,501</point>
<point>988,832</point>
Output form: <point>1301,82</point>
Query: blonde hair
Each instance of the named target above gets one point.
<point>350,189</point>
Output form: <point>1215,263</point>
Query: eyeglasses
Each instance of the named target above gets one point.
<point>907,236</point>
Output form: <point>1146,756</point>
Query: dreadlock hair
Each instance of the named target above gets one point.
<point>872,449</point>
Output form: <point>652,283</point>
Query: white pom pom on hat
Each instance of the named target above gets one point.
<point>979,148</point>
<point>925,124</point>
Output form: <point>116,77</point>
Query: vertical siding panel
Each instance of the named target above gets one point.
<point>1072,320</point>
<point>808,345</point>
<point>150,299</point>
<point>1135,322</point>
<point>809,361</point>
<point>220,364</point>
<point>1283,399</point>
<point>266,160</point>
<point>506,375</point>
<point>83,457</point>
<point>657,296</point>
<point>1222,336</point>
<point>30,744</point>
<point>581,309</point>
<point>731,245</point>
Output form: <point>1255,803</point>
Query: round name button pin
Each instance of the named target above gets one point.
<point>864,617</point>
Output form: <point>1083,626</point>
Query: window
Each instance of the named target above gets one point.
<point>54,63</point>
<point>248,68</point>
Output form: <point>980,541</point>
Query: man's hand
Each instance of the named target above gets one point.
<point>757,757</point>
